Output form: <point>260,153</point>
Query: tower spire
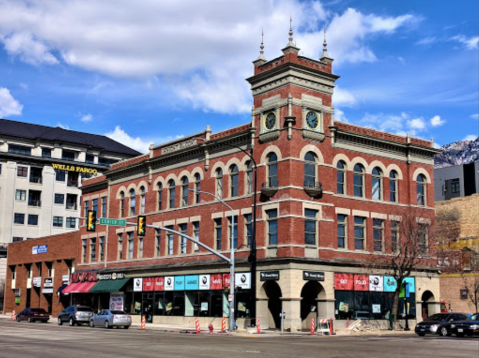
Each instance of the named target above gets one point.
<point>290,47</point>
<point>325,56</point>
<point>261,59</point>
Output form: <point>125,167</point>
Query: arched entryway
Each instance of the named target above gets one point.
<point>273,292</point>
<point>426,299</point>
<point>310,294</point>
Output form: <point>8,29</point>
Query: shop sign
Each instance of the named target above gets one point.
<point>116,301</point>
<point>204,282</point>
<point>376,283</point>
<point>111,276</point>
<point>74,168</point>
<point>37,282</point>
<point>65,278</point>
<point>361,283</point>
<point>269,276</point>
<point>376,308</point>
<point>159,284</point>
<point>17,292</point>
<point>390,284</point>
<point>41,249</point>
<point>343,281</point>
<point>313,276</point>
<point>137,284</point>
<point>179,283</point>
<point>411,287</point>
<point>178,146</point>
<point>84,277</point>
<point>48,282</point>
<point>243,280</point>
<point>226,280</point>
<point>169,283</point>
<point>217,281</point>
<point>191,282</point>
<point>148,284</point>
<point>17,300</point>
<point>47,290</point>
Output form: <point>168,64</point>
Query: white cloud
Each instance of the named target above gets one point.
<point>30,50</point>
<point>416,124</point>
<point>64,126</point>
<point>470,137</point>
<point>23,85</point>
<point>474,116</point>
<point>343,97</point>
<point>470,43</point>
<point>437,121</point>
<point>86,118</point>
<point>9,106</point>
<point>339,115</point>
<point>426,41</point>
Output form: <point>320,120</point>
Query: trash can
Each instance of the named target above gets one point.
<point>391,322</point>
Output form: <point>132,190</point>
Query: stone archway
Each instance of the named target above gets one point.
<point>427,299</point>
<point>272,290</point>
<point>311,293</point>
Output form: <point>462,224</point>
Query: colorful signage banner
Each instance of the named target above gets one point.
<point>159,284</point>
<point>116,301</point>
<point>204,282</point>
<point>148,284</point>
<point>390,284</point>
<point>343,281</point>
<point>361,283</point>
<point>376,283</point>
<point>83,277</point>
<point>39,249</point>
<point>179,283</point>
<point>169,283</point>
<point>217,281</point>
<point>137,284</point>
<point>243,280</point>
<point>226,280</point>
<point>191,282</point>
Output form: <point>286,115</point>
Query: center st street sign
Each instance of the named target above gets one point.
<point>112,222</point>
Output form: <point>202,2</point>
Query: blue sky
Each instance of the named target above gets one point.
<point>150,71</point>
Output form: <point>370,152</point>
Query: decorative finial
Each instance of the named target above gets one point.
<point>325,44</point>
<point>261,52</point>
<point>290,30</point>
<point>325,55</point>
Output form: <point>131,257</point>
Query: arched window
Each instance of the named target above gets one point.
<point>160,196</point>
<point>377,178</point>
<point>132,202</point>
<point>197,188</point>
<point>234,180</point>
<point>421,189</point>
<point>309,169</point>
<point>393,186</point>
<point>358,182</point>
<point>249,177</point>
<point>272,170</point>
<point>219,183</point>
<point>341,177</point>
<point>142,199</point>
<point>184,191</point>
<point>122,204</point>
<point>171,194</point>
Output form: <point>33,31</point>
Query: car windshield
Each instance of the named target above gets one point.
<point>39,310</point>
<point>84,309</point>
<point>436,317</point>
<point>474,317</point>
<point>118,312</point>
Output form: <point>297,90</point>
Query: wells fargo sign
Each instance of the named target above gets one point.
<point>83,277</point>
<point>74,168</point>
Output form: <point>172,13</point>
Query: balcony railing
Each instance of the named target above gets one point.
<point>313,189</point>
<point>269,188</point>
<point>34,202</point>
<point>36,179</point>
<point>71,206</point>
<point>73,183</point>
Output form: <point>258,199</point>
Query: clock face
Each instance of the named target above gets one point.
<point>270,121</point>
<point>312,120</point>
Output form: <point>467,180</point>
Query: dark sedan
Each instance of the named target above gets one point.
<point>439,323</point>
<point>32,315</point>
<point>469,326</point>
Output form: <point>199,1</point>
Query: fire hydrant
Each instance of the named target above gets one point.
<point>210,327</point>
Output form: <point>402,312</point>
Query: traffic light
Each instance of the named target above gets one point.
<point>141,227</point>
<point>91,221</point>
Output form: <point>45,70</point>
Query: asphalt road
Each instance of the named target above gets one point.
<point>31,340</point>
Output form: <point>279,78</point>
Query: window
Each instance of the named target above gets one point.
<point>89,158</point>
<point>36,175</point>
<point>95,205</point>
<point>248,223</point>
<point>19,218</point>
<point>170,241</point>
<point>455,186</point>
<point>183,240</point>
<point>86,203</point>
<point>358,182</point>
<point>103,207</point>
<point>160,196</point>
<point>20,195</point>
<point>394,236</point>
<point>197,188</point>
<point>158,243</point>
<point>342,224</point>
<point>272,170</point>
<point>120,246</point>
<point>377,178</point>
<point>83,250</point>
<point>235,232</point>
<point>19,149</point>
<point>142,200</point>
<point>46,153</point>
<point>32,219</point>
<point>34,198</point>
<point>92,250</point>
<point>22,172</point>
<point>310,227</point>
<point>272,225</point>
<point>16,239</point>
<point>196,234</point>
<point>393,186</point>
<point>130,244</point>
<point>140,247</point>
<point>309,170</point>
<point>219,183</point>
<point>184,191</point>
<point>122,204</point>
<point>249,177</point>
<point>234,181</point>
<point>68,155</point>
<point>49,268</point>
<point>359,232</point>
<point>102,248</point>
<point>70,223</point>
<point>218,233</point>
<point>421,189</point>
<point>106,161</point>
<point>58,221</point>
<point>39,267</point>
<point>171,194</point>
<point>60,175</point>
<point>422,238</point>
<point>59,198</point>
<point>132,202</point>
<point>378,234</point>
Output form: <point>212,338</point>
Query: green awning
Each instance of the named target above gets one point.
<point>109,285</point>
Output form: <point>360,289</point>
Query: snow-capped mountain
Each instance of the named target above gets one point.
<point>457,153</point>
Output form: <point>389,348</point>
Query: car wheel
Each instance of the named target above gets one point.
<point>126,327</point>
<point>72,323</point>
<point>59,321</point>
<point>443,332</point>
<point>421,334</point>
<point>91,323</point>
<point>30,320</point>
<point>17,319</point>
<point>107,324</point>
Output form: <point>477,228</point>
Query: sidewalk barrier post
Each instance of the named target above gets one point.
<point>347,323</point>
<point>323,326</point>
<point>143,322</point>
<point>258,328</point>
<point>312,325</point>
<point>331,330</point>
<point>12,318</point>
<point>223,324</point>
<point>197,325</point>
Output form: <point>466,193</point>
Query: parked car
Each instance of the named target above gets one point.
<point>32,315</point>
<point>75,315</point>
<point>469,326</point>
<point>439,323</point>
<point>111,318</point>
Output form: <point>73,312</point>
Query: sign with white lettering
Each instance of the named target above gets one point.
<point>243,280</point>
<point>269,275</point>
<point>169,283</point>
<point>111,276</point>
<point>204,282</point>
<point>66,278</point>
<point>313,276</point>
<point>48,282</point>
<point>137,284</point>
<point>116,301</point>
<point>37,282</point>
<point>41,249</point>
<point>178,146</point>
<point>47,290</point>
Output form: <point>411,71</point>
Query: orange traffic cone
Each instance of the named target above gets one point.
<point>143,322</point>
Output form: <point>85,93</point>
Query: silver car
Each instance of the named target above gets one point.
<point>109,319</point>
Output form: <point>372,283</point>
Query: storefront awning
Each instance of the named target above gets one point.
<point>84,287</point>
<point>71,287</point>
<point>109,285</point>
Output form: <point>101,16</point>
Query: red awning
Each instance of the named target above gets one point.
<point>85,287</point>
<point>71,287</point>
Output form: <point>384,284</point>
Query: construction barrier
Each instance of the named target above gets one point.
<point>323,326</point>
<point>312,326</point>
<point>347,323</point>
<point>12,317</point>
<point>197,325</point>
<point>223,325</point>
<point>143,322</point>
<point>258,328</point>
<point>331,330</point>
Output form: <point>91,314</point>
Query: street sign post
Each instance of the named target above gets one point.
<point>112,222</point>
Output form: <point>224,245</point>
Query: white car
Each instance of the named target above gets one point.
<point>109,319</point>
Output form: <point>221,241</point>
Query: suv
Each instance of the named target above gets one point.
<point>75,315</point>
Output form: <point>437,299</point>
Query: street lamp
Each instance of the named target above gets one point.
<point>232,259</point>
